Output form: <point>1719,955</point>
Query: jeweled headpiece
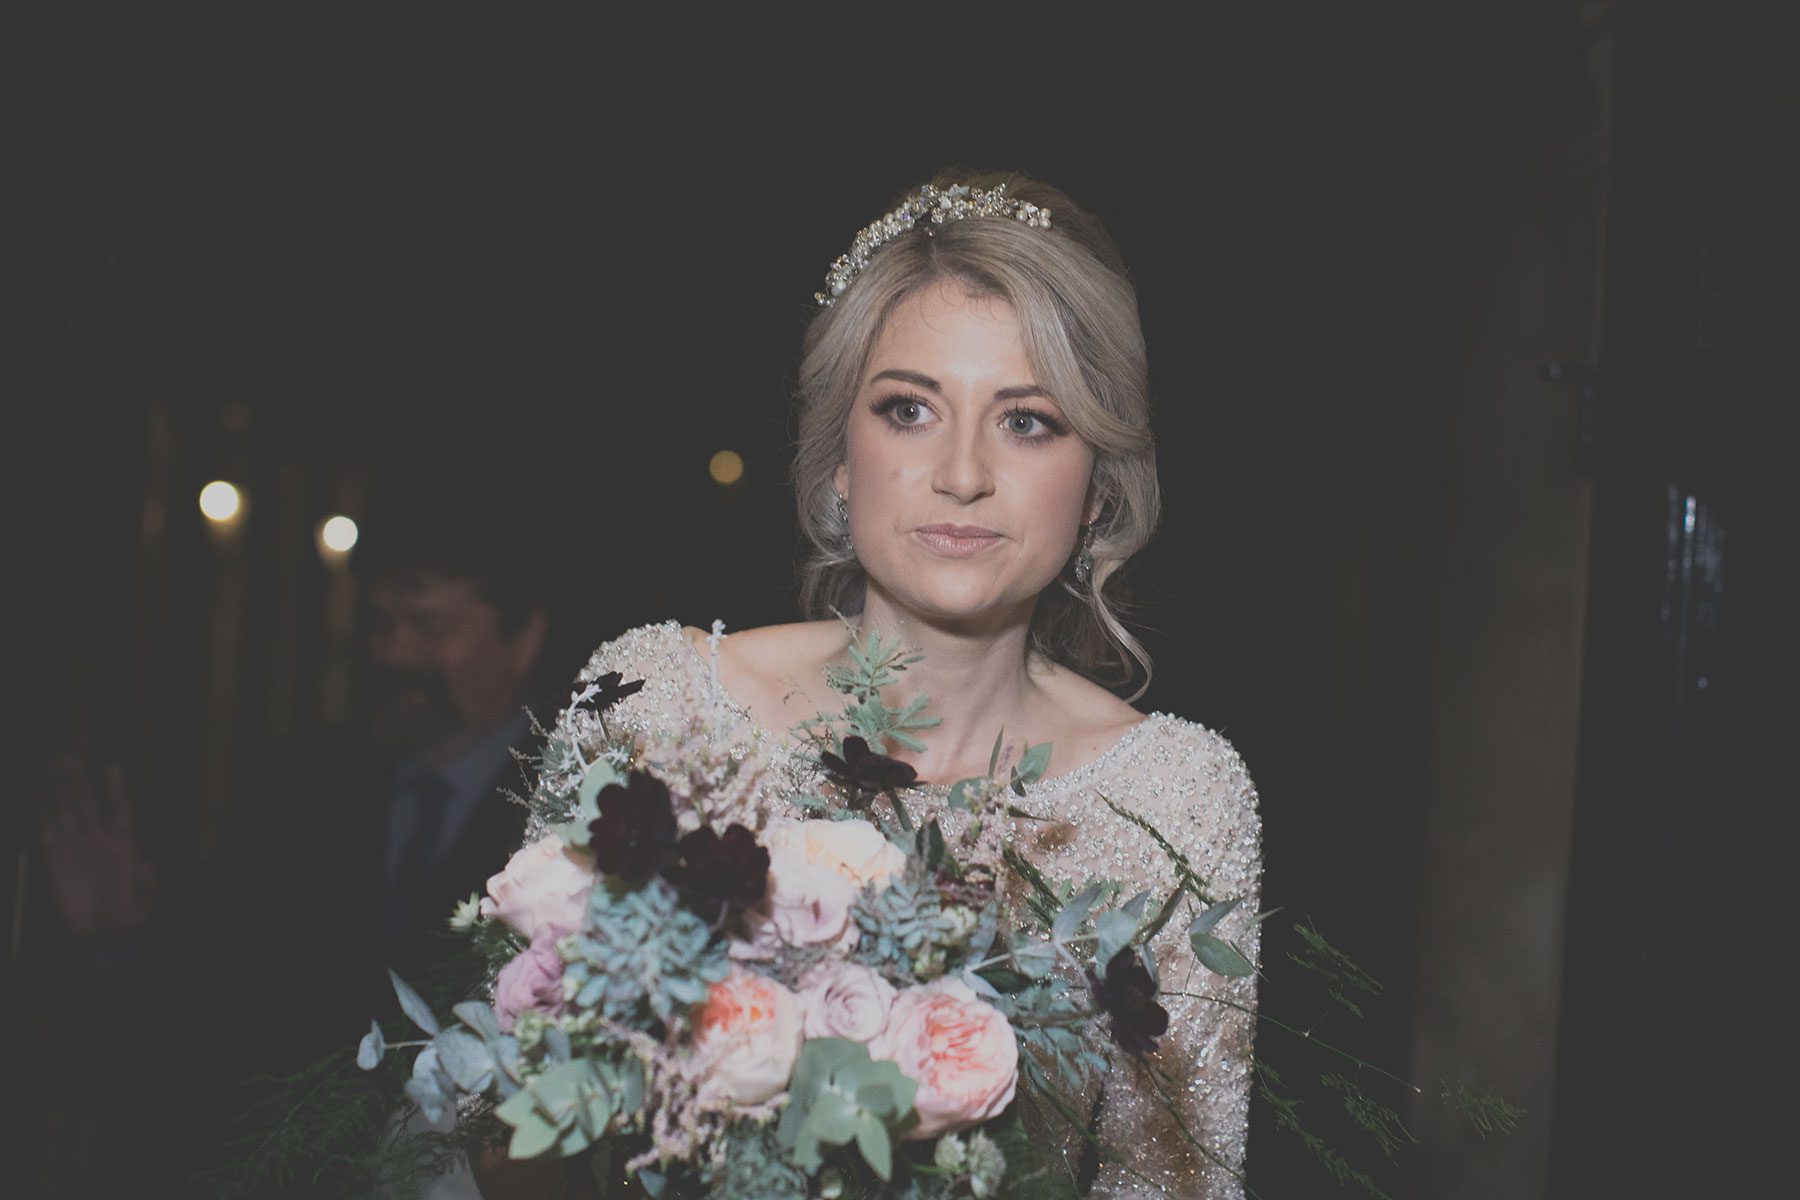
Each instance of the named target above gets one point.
<point>932,205</point>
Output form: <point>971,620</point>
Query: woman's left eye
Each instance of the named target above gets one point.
<point>1026,424</point>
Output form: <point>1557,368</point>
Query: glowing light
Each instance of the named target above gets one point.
<point>726,467</point>
<point>338,534</point>
<point>220,502</point>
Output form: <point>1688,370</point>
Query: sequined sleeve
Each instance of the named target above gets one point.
<point>1192,784</point>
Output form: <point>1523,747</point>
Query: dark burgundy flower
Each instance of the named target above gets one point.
<point>609,691</point>
<point>634,835</point>
<point>1129,996</point>
<point>864,773</point>
<point>731,869</point>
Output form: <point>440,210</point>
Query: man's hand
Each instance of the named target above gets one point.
<point>100,878</point>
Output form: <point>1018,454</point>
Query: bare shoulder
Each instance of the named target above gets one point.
<point>1087,719</point>
<point>768,669</point>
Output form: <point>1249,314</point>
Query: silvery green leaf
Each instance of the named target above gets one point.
<point>466,1058</point>
<point>987,927</point>
<point>1205,922</point>
<point>415,1008</point>
<point>479,1017</point>
<point>1219,957</point>
<point>653,1182</point>
<point>1074,912</point>
<point>558,1043</point>
<point>372,1047</point>
<point>1034,762</point>
<point>599,774</point>
<point>1135,905</point>
<point>1034,958</point>
<point>959,798</point>
<point>980,986</point>
<point>1149,961</point>
<point>877,1150</point>
<point>994,758</point>
<point>426,1087</point>
<point>1115,929</point>
<point>532,1135</point>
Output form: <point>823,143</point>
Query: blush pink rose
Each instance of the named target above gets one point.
<point>959,1049</point>
<point>854,849</point>
<point>543,888</point>
<point>816,870</point>
<point>532,980</point>
<point>845,1000</point>
<point>748,1033</point>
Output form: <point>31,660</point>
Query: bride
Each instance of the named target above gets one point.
<point>975,465</point>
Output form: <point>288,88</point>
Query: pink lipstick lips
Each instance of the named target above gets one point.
<point>957,541</point>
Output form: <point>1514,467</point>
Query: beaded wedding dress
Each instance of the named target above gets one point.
<point>1185,780</point>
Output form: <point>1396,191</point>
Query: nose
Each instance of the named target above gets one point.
<point>963,470</point>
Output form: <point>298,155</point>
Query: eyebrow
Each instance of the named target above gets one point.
<point>917,379</point>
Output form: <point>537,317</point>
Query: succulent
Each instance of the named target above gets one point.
<point>643,956</point>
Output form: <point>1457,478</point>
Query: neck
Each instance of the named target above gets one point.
<point>975,673</point>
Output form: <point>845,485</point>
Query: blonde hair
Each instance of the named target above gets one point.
<point>1078,316</point>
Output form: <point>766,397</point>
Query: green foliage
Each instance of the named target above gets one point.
<point>875,664</point>
<point>838,1094</point>
<point>644,958</point>
<point>1287,1116</point>
<point>1382,1122</point>
<point>1487,1112</point>
<point>754,1167</point>
<point>572,1105</point>
<point>1340,974</point>
<point>1054,1023</point>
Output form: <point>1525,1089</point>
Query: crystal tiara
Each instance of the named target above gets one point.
<point>928,204</point>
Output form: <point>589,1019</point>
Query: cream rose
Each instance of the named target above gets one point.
<point>959,1049</point>
<point>854,849</point>
<point>542,889</point>
<point>748,1034</point>
<point>845,1000</point>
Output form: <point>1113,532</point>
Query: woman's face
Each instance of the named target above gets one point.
<point>967,488</point>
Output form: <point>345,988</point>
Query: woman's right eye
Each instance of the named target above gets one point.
<point>904,411</point>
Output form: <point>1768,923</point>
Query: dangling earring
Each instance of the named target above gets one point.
<point>1084,560</point>
<point>843,513</point>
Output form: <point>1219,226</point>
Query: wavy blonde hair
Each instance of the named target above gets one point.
<point>1078,316</point>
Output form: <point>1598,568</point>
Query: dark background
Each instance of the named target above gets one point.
<point>331,251</point>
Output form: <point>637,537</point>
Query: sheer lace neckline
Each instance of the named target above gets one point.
<point>1072,778</point>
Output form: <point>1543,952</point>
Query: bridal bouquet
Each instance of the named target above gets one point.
<point>711,977</point>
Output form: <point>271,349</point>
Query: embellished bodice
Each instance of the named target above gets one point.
<point>1178,776</point>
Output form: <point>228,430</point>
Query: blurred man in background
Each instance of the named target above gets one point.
<point>347,850</point>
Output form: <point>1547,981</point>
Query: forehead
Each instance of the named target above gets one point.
<point>946,325</point>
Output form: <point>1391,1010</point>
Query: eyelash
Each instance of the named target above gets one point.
<point>886,406</point>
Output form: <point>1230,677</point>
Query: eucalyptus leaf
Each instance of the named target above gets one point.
<point>653,1182</point>
<point>558,1042</point>
<point>959,797</point>
<point>466,1058</point>
<point>1033,957</point>
<point>1034,762</point>
<point>1135,905</point>
<point>372,1047</point>
<point>1115,929</point>
<point>994,758</point>
<point>1220,957</point>
<point>877,1148</point>
<point>1074,912</point>
<point>414,1006</point>
<point>532,1135</point>
<point>1205,922</point>
<point>1149,961</point>
<point>479,1017</point>
<point>600,774</point>
<point>979,986</point>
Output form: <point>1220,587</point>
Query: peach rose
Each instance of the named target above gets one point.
<point>845,1000</point>
<point>543,888</point>
<point>959,1049</point>
<point>748,1033</point>
<point>532,980</point>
